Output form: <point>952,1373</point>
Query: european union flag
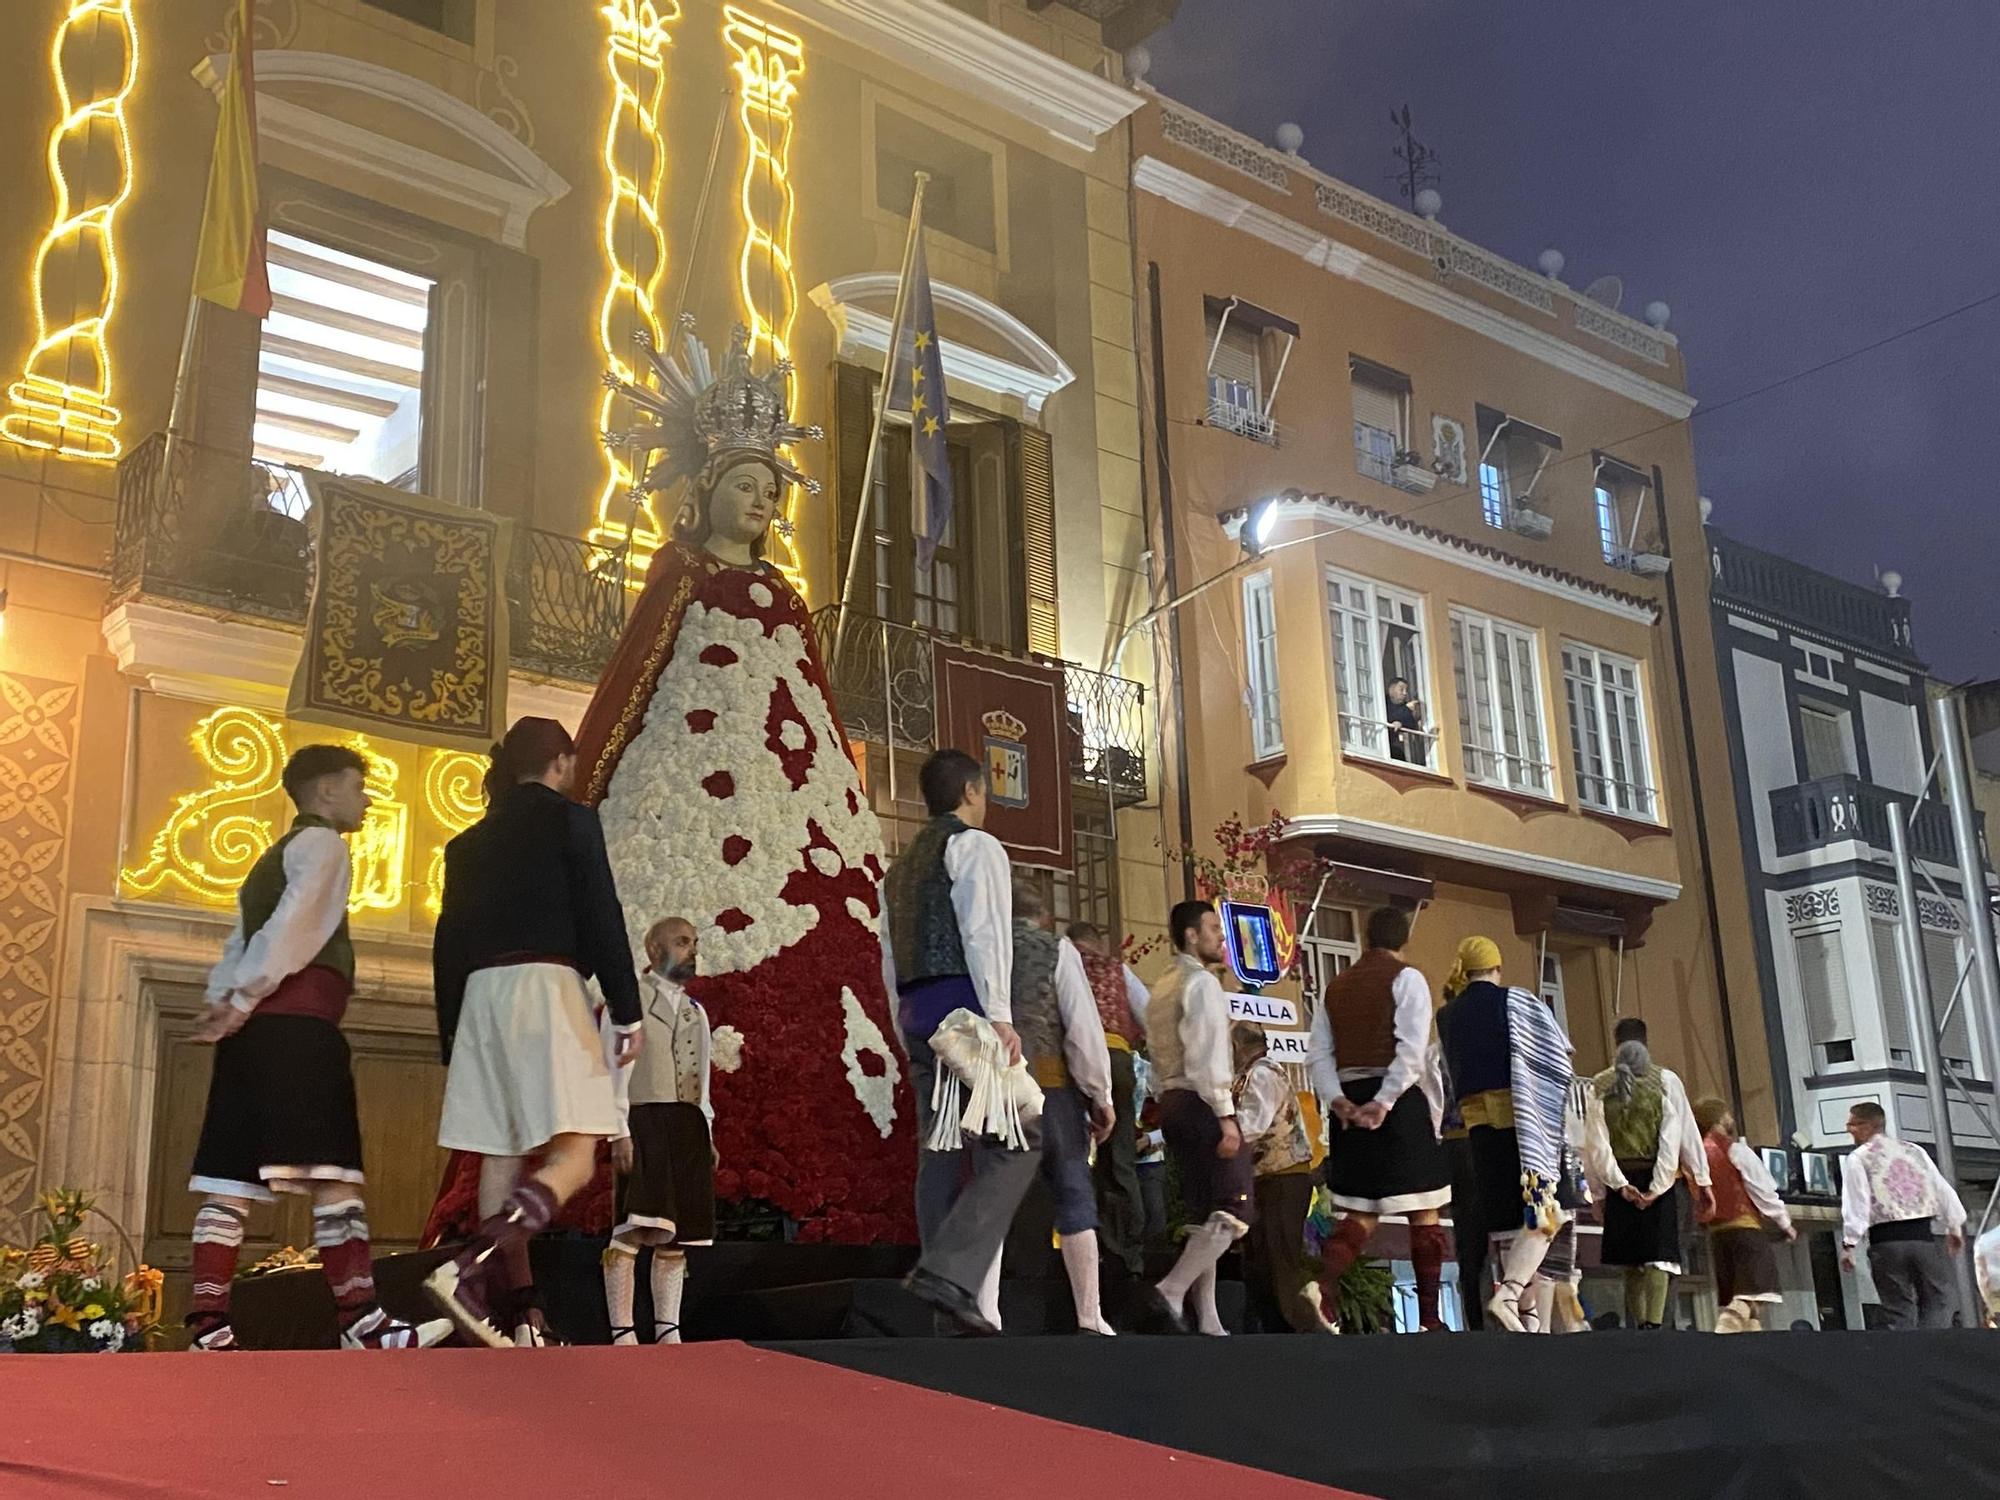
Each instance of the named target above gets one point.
<point>930,412</point>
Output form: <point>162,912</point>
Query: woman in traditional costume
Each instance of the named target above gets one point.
<point>717,761</point>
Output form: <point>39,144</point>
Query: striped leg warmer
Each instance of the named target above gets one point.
<point>218,1236</point>
<point>341,1232</point>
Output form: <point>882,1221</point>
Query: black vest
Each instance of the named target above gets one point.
<point>923,924</point>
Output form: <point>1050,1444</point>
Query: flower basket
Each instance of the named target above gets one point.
<point>61,1294</point>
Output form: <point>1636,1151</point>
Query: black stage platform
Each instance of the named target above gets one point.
<point>1602,1416</point>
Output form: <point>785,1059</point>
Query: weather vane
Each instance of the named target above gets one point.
<point>1416,164</point>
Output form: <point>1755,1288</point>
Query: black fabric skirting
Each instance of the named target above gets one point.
<point>671,1187</point>
<point>1399,1167</point>
<point>280,1104</point>
<point>1209,1184</point>
<point>1642,1236</point>
<point>1746,1264</point>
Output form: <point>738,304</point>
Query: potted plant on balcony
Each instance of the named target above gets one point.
<point>1408,471</point>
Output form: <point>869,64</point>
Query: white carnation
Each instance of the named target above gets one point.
<point>877,1093</point>
<point>725,1049</point>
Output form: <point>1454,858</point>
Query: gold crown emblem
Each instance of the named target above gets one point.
<point>1004,725</point>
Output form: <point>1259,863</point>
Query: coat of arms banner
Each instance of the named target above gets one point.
<point>1013,717</point>
<point>407,633</point>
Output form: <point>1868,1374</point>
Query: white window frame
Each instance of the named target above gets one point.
<point>1610,525</point>
<point>1551,987</point>
<point>1369,463</point>
<point>1364,733</point>
<point>1492,764</point>
<point>1598,783</point>
<point>1260,651</point>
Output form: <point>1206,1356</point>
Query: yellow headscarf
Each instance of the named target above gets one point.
<point>1475,956</point>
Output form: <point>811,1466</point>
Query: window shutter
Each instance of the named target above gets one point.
<point>1889,983</point>
<point>1823,981</point>
<point>854,418</point>
<point>1236,356</point>
<point>1376,407</point>
<point>1941,965</point>
<point>1035,464</point>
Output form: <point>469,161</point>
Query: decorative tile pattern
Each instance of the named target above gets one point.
<point>1186,130</point>
<point>1449,255</point>
<point>37,740</point>
<point>1812,906</point>
<point>1627,335</point>
<point>1377,218</point>
<point>1882,901</point>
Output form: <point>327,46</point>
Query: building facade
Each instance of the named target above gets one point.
<point>474,205</point>
<point>1458,658</point>
<point>1837,736</point>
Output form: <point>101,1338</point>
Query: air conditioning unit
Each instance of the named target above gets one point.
<point>1530,522</point>
<point>1411,473</point>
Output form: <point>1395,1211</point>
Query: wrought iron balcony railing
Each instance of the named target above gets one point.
<point>885,688</point>
<point>1837,809</point>
<point>218,533</point>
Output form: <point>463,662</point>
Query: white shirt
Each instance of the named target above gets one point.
<point>1084,1048</point>
<point>1206,1064</point>
<point>1986,1262</point>
<point>1601,1166</point>
<point>1137,996</point>
<point>663,999</point>
<point>982,898</point>
<point>1264,1091</point>
<point>1412,995</point>
<point>1693,1154</point>
<point>1759,1186</point>
<point>317,876</point>
<point>1861,1207</point>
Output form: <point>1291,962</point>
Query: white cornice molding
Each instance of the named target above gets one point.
<point>1444,846</point>
<point>1386,528</point>
<point>955,51</point>
<point>183,655</point>
<point>1036,374</point>
<point>1185,190</point>
<point>509,191</point>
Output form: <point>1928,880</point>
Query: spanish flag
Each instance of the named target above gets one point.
<point>229,265</point>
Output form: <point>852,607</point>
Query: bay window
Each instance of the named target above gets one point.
<point>1607,732</point>
<point>1496,668</point>
<point>1379,670</point>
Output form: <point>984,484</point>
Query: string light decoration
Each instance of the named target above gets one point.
<point>62,402</point>
<point>769,62</point>
<point>211,838</point>
<point>454,796</point>
<point>635,250</point>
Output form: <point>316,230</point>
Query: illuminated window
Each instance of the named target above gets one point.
<point>1260,645</point>
<point>1513,455</point>
<point>340,377</point>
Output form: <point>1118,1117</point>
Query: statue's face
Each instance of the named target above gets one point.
<point>743,505</point>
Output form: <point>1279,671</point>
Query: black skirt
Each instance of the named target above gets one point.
<point>1399,1167</point>
<point>281,1110</point>
<point>671,1187</point>
<point>1647,1236</point>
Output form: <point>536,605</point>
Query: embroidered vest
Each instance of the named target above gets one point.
<point>1899,1182</point>
<point>668,1070</point>
<point>1634,1124</point>
<point>264,887</point>
<point>923,926</point>
<point>1114,1006</point>
<point>1163,1022</point>
<point>1284,1146</point>
<point>1361,1008</point>
<point>1037,1018</point>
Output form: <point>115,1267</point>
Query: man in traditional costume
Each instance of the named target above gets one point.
<point>1372,1066</point>
<point>281,1114</point>
<point>1063,1040</point>
<point>1892,1195</point>
<point>948,911</point>
<point>1507,1073</point>
<point>1748,1212</point>
<point>1121,1009</point>
<point>1633,1135</point>
<point>529,913</point>
<point>665,1164</point>
<point>1195,1075</point>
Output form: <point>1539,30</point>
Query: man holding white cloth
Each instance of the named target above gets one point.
<point>948,945</point>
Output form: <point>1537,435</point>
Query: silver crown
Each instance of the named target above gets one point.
<point>699,419</point>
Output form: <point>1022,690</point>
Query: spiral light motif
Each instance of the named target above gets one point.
<point>62,402</point>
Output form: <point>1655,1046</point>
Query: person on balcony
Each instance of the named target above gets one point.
<point>1121,1009</point>
<point>1063,1041</point>
<point>1405,715</point>
<point>1376,1075</point>
<point>281,1114</point>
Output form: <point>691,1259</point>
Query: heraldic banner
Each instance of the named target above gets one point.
<point>1013,716</point>
<point>407,634</point>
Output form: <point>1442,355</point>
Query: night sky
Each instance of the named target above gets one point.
<point>1795,178</point>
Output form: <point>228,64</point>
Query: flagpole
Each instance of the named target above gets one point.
<point>864,505</point>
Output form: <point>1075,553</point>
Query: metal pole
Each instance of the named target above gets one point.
<point>864,507</point>
<point>1957,787</point>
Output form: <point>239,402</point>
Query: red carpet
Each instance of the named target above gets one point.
<point>708,1421</point>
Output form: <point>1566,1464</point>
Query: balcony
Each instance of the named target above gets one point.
<point>883,685</point>
<point>1792,592</point>
<point>1838,809</point>
<point>1233,407</point>
<point>213,533</point>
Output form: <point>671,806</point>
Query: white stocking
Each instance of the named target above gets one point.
<point>1206,1319</point>
<point>1524,1257</point>
<point>1545,1305</point>
<point>989,1289</point>
<point>619,1264</point>
<point>669,1279</point>
<point>1079,1253</point>
<point>1202,1249</point>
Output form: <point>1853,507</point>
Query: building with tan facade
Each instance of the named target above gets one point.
<point>473,207</point>
<point>1457,472</point>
